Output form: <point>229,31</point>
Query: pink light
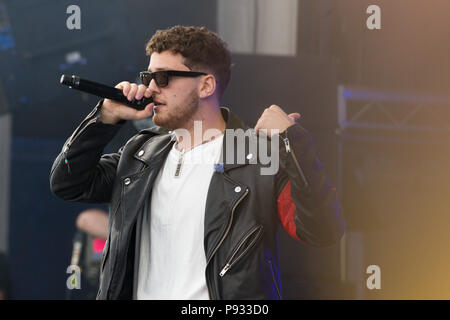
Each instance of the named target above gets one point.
<point>98,245</point>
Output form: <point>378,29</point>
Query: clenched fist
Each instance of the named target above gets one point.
<point>275,118</point>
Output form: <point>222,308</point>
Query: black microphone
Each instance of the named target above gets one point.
<point>103,91</point>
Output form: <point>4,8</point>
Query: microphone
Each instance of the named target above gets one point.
<point>103,91</point>
<point>77,247</point>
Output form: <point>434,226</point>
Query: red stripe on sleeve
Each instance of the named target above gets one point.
<point>286,211</point>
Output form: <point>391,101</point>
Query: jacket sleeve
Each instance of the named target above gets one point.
<point>80,172</point>
<point>308,206</point>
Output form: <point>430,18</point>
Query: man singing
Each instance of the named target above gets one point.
<point>204,228</point>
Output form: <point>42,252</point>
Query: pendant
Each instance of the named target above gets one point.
<point>179,164</point>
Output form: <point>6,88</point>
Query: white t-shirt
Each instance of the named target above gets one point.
<point>172,257</point>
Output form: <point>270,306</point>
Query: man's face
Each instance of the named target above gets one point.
<point>177,103</point>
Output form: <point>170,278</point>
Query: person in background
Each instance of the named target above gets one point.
<point>88,244</point>
<point>94,222</point>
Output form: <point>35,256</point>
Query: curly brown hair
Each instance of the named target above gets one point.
<point>202,49</point>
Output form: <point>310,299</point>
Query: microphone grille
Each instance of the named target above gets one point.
<point>67,80</point>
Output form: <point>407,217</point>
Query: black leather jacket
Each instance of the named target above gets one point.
<point>243,207</point>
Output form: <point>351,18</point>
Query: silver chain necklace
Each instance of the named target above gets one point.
<point>182,152</point>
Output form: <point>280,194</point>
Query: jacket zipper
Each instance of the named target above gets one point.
<point>226,231</point>
<point>274,279</point>
<point>74,136</point>
<point>82,127</point>
<point>115,261</point>
<point>230,261</point>
<point>291,151</point>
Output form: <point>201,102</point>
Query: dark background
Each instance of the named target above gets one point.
<point>393,192</point>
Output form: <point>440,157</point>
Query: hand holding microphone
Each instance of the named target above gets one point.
<point>127,101</point>
<point>113,111</point>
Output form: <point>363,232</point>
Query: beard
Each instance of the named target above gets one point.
<point>177,116</point>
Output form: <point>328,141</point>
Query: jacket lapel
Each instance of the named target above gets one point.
<point>224,192</point>
<point>137,186</point>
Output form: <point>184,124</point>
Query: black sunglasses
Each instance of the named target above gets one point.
<point>162,77</point>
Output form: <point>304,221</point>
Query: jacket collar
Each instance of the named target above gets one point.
<point>233,123</point>
<point>156,148</point>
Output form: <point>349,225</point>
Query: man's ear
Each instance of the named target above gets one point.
<point>207,86</point>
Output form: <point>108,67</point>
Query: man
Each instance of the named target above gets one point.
<point>180,230</point>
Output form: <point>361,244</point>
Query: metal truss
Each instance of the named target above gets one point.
<point>370,109</point>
